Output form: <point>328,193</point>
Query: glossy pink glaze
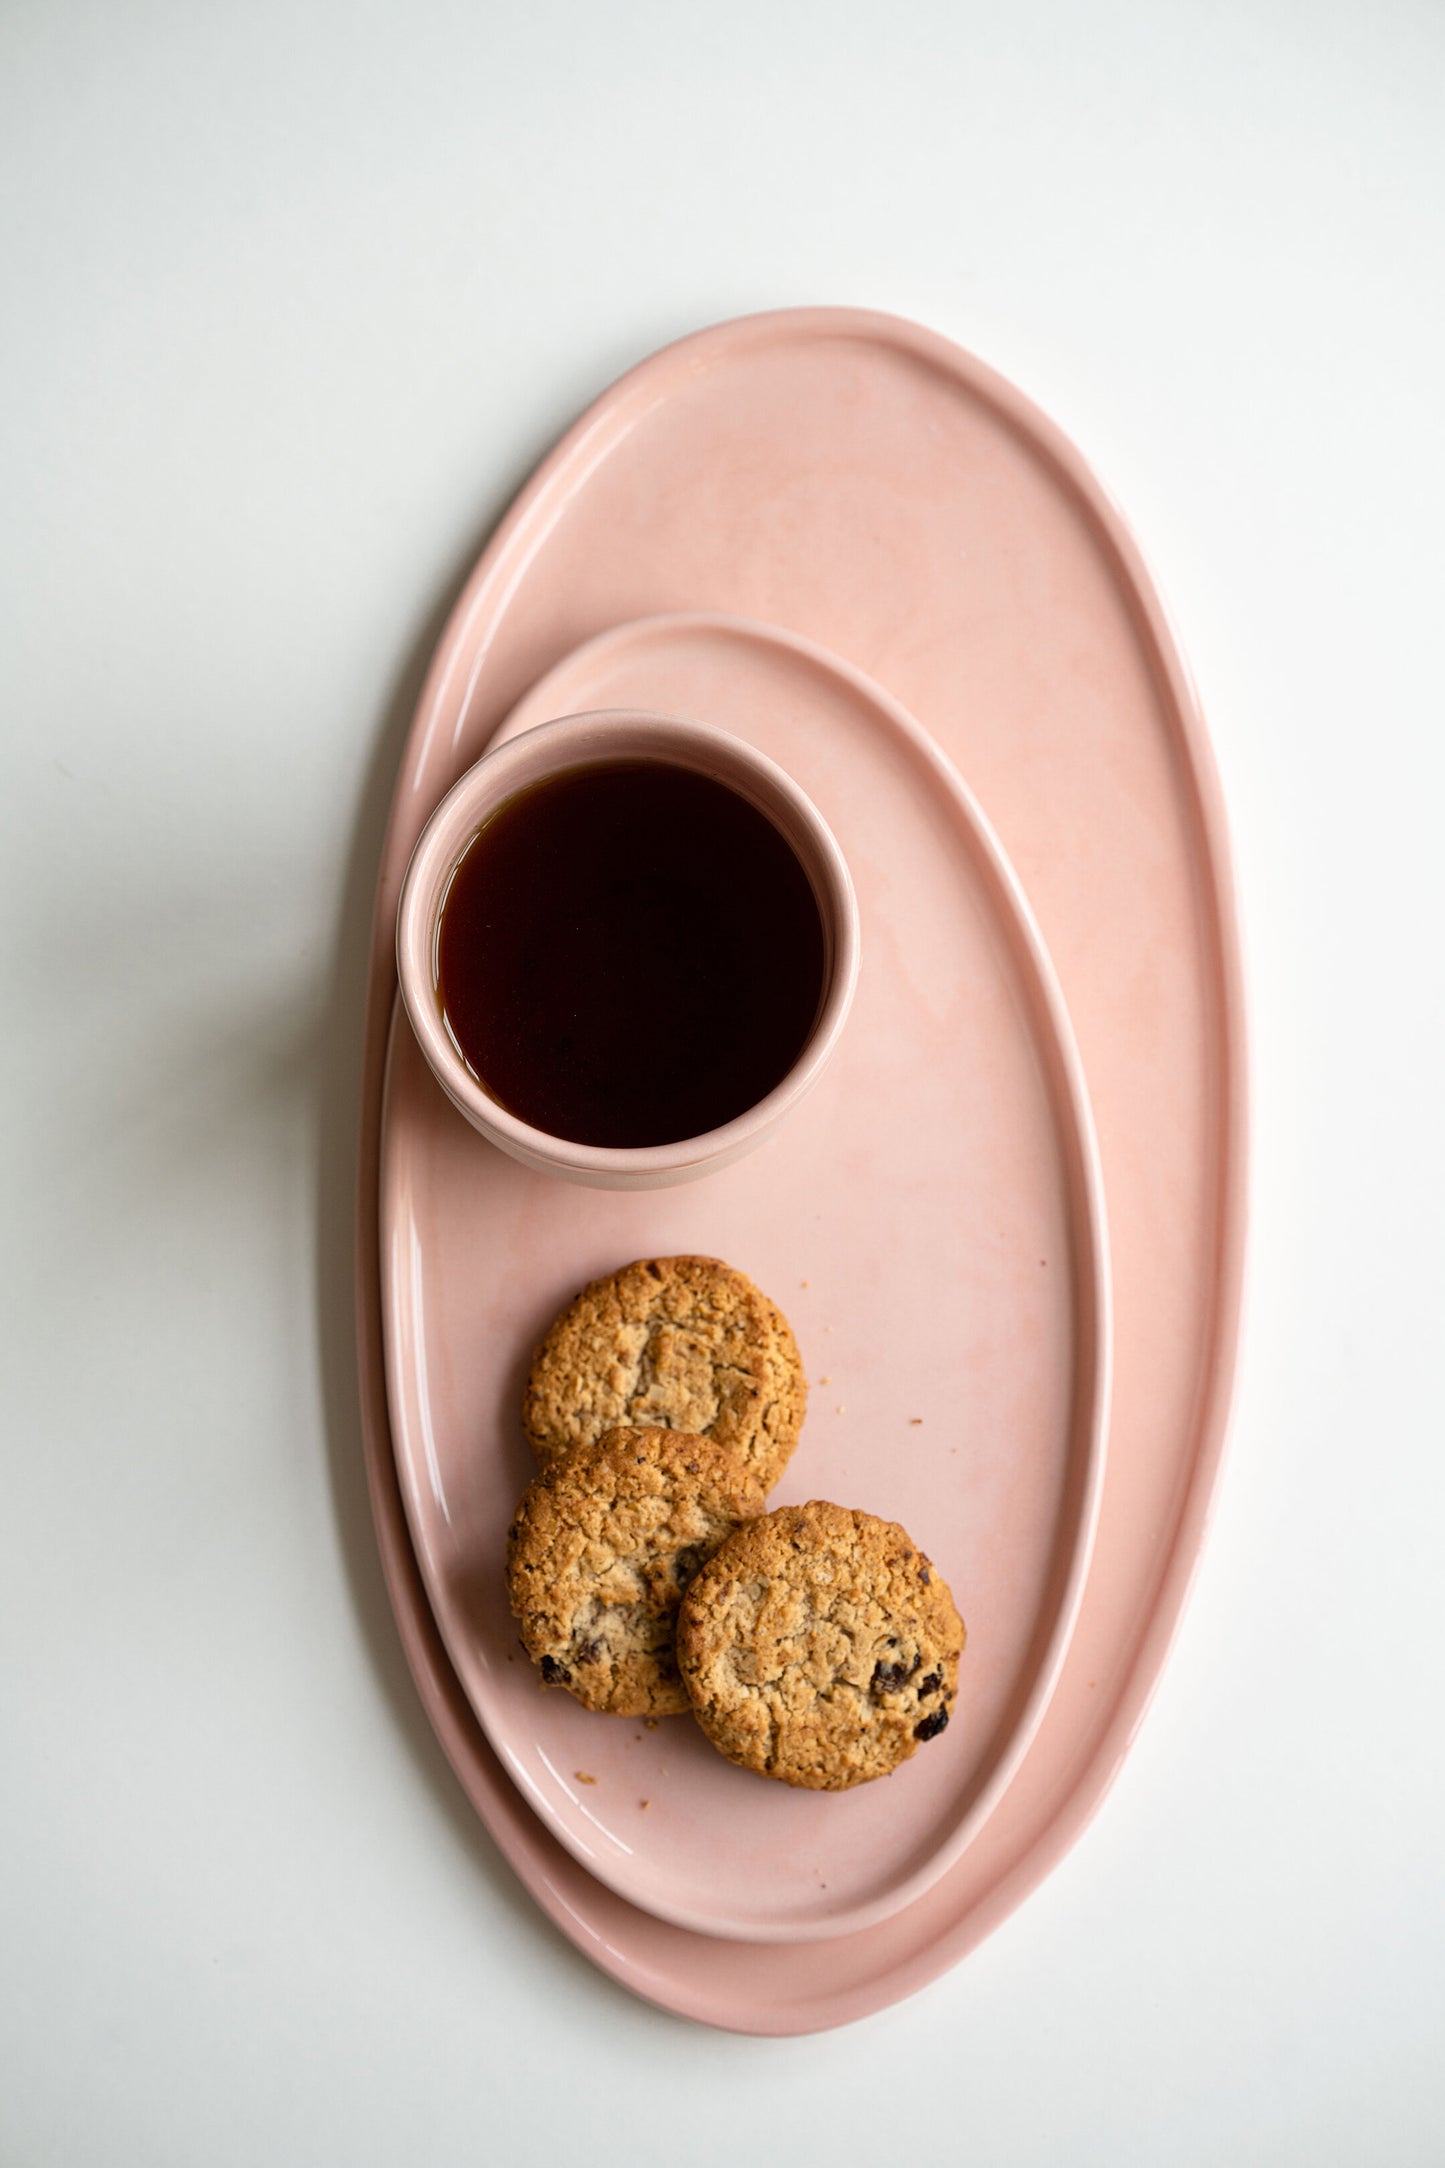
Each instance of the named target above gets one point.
<point>865,483</point>
<point>933,1224</point>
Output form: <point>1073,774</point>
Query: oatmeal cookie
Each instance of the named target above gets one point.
<point>601,1548</point>
<point>819,1646</point>
<point>679,1343</point>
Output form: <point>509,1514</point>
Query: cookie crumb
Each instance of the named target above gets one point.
<point>644,1804</point>
<point>914,1421</point>
<point>825,1381</point>
<point>582,1777</point>
<point>651,1722</point>
<point>841,1409</point>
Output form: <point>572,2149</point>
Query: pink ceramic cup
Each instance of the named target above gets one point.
<point>582,741</point>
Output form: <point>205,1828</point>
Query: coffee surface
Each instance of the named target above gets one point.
<point>629,955</point>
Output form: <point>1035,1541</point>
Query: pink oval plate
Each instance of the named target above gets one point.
<point>932,1222</point>
<point>865,484</point>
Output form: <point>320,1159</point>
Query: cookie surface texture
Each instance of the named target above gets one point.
<point>600,1550</point>
<point>820,1646</point>
<point>680,1343</point>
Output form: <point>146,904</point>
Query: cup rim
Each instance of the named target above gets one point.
<point>596,738</point>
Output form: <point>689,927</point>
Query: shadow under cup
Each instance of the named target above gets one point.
<point>614,866</point>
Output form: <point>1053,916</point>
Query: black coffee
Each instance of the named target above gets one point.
<point>629,955</point>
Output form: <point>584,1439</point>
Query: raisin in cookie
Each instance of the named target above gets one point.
<point>820,1646</point>
<point>600,1551</point>
<point>680,1343</point>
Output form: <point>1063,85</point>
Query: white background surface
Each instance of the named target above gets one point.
<point>292,299</point>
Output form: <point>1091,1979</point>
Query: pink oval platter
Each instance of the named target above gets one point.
<point>864,485</point>
<point>931,1221</point>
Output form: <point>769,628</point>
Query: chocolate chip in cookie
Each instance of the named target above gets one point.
<point>819,1646</point>
<point>600,1551</point>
